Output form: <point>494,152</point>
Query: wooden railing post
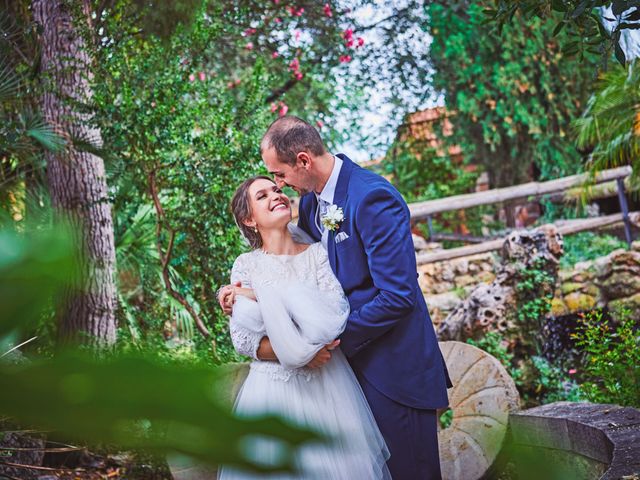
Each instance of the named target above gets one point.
<point>625,211</point>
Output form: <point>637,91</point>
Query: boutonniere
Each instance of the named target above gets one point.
<point>332,218</point>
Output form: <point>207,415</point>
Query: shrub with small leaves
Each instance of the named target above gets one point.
<point>611,366</point>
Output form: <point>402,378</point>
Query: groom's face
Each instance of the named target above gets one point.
<point>295,176</point>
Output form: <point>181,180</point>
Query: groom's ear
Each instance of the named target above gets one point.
<point>304,160</point>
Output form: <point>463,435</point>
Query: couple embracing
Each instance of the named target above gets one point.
<point>331,312</point>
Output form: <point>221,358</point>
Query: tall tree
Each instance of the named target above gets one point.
<point>513,95</point>
<point>76,178</point>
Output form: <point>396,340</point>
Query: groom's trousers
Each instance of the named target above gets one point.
<point>410,433</point>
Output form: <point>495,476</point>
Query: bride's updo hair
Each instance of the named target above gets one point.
<point>241,209</point>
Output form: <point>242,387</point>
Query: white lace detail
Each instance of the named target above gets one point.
<point>328,283</point>
<point>245,341</point>
<point>278,372</point>
<point>311,268</point>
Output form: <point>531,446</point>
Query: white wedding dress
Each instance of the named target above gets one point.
<point>301,307</point>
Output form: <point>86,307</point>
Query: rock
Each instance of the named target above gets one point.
<point>631,303</point>
<point>447,273</point>
<point>461,266</point>
<point>621,285</point>
<point>419,243</point>
<point>464,280</point>
<point>569,287</point>
<point>443,301</point>
<point>442,287</point>
<point>492,307</point>
<point>482,397</point>
<point>558,307</point>
<point>579,302</point>
<point>486,277</point>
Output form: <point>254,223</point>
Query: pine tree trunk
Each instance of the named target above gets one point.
<point>76,179</point>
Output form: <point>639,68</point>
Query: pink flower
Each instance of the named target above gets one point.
<point>572,371</point>
<point>278,20</point>
<point>345,58</point>
<point>347,34</point>
<point>274,107</point>
<point>236,82</point>
<point>249,46</point>
<point>319,123</point>
<point>192,78</point>
<point>297,35</point>
<point>275,55</point>
<point>249,31</point>
<point>153,104</point>
<point>202,76</point>
<point>294,64</point>
<point>360,41</point>
<point>283,109</point>
<point>276,2</point>
<point>349,43</point>
<point>298,75</point>
<point>230,84</point>
<point>327,10</point>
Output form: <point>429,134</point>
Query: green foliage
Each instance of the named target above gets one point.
<point>581,18</point>
<point>611,367</point>
<point>513,95</point>
<point>610,125</point>
<point>552,384</point>
<point>420,172</point>
<point>177,151</point>
<point>492,343</point>
<point>85,398</point>
<point>535,290</point>
<point>588,246</point>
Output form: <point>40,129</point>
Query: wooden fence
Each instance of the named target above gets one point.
<point>565,187</point>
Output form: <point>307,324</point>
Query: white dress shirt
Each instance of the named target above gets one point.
<point>325,198</point>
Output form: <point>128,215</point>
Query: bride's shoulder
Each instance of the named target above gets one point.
<point>243,259</point>
<point>318,251</point>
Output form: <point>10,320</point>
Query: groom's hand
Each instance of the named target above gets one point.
<point>324,355</point>
<point>226,297</point>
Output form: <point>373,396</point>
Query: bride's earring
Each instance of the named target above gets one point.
<point>255,229</point>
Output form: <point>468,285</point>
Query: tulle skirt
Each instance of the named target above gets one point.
<point>328,399</point>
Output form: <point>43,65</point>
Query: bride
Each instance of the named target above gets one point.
<point>289,294</point>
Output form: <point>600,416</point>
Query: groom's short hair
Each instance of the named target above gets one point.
<point>289,136</point>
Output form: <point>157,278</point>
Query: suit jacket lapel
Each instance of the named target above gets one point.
<point>339,199</point>
<point>311,215</point>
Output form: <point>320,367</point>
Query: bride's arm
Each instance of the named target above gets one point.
<point>245,341</point>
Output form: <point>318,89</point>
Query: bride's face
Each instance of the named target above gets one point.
<point>270,208</point>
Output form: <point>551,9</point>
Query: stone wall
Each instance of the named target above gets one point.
<point>584,439</point>
<point>612,281</point>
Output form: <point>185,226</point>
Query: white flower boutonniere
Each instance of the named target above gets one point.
<point>332,218</point>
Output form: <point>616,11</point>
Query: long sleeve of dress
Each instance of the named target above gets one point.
<point>245,341</point>
<point>329,284</point>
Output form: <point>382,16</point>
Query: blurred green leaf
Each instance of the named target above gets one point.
<point>34,267</point>
<point>85,398</point>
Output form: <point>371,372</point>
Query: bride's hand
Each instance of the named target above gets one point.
<point>226,297</point>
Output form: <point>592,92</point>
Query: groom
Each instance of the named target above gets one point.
<point>389,338</point>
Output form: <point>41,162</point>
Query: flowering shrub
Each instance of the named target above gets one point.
<point>611,366</point>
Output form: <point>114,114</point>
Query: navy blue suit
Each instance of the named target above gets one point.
<point>389,338</point>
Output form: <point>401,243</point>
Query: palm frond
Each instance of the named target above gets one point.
<point>42,133</point>
<point>9,82</point>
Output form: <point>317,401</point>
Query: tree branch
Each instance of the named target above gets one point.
<point>166,257</point>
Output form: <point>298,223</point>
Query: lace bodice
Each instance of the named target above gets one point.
<point>310,268</point>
